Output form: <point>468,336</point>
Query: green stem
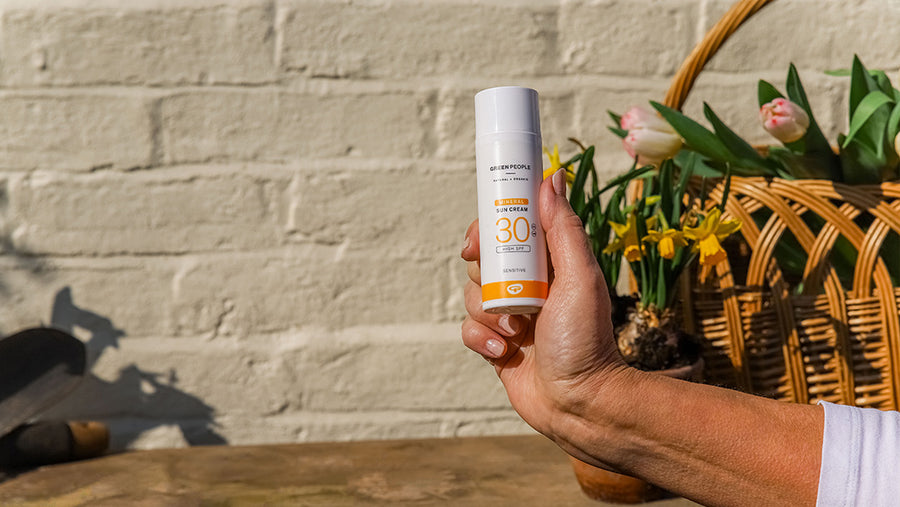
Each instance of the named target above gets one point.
<point>662,283</point>
<point>645,284</point>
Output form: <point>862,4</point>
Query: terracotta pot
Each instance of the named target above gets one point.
<point>606,486</point>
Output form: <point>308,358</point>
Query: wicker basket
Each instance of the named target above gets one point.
<point>762,335</point>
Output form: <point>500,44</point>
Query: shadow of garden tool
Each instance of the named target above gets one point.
<point>39,367</point>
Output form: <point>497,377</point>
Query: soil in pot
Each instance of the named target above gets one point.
<point>652,340</point>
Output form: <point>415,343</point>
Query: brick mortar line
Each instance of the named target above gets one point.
<point>423,85</point>
<point>389,333</point>
<point>389,413</point>
<point>282,251</point>
<point>164,5</point>
<point>296,339</point>
<point>408,410</point>
<point>118,5</point>
<point>383,416</point>
<point>216,170</point>
<point>321,86</point>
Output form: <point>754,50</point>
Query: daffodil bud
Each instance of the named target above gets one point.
<point>785,120</point>
<point>650,138</point>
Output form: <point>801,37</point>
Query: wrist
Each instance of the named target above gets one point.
<point>592,424</point>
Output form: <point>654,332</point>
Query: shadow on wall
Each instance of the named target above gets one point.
<point>136,401</point>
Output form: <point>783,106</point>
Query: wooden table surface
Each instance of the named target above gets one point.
<point>483,471</point>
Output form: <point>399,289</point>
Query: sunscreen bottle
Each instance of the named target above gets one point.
<point>509,169</point>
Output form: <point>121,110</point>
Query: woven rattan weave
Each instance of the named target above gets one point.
<point>797,337</point>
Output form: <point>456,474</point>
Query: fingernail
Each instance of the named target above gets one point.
<point>509,325</point>
<point>495,348</point>
<point>466,244</point>
<point>559,182</point>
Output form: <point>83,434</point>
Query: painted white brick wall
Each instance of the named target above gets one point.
<point>251,210</point>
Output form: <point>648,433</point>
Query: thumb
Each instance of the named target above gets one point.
<point>573,260</point>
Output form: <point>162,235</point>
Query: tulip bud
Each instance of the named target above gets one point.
<point>650,138</point>
<point>897,143</point>
<point>785,120</point>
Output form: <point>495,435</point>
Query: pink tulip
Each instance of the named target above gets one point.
<point>650,138</point>
<point>784,119</point>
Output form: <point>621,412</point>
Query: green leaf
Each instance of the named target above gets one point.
<point>709,168</point>
<point>883,82</point>
<point>747,156</point>
<point>726,190</point>
<point>800,166</point>
<point>648,190</point>
<point>795,88</point>
<point>620,133</point>
<point>663,223</point>
<point>861,164</point>
<point>594,184</point>
<point>866,108</point>
<point>590,208</point>
<point>572,160</point>
<point>643,280</point>
<point>767,93</point>
<point>600,225</point>
<point>665,183</point>
<point>890,249</point>
<point>687,163</point>
<point>697,137</point>
<point>661,282</point>
<point>613,207</point>
<point>893,124</point>
<point>576,196</point>
<point>861,83</point>
<point>791,256</point>
<point>626,177</point>
<point>615,118</point>
<point>844,257</point>
<point>847,72</point>
<point>814,142</point>
<point>598,228</point>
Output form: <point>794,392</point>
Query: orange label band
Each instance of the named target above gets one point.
<point>509,202</point>
<point>514,289</point>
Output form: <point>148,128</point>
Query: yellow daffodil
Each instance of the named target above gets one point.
<point>556,165</point>
<point>626,239</point>
<point>709,233</point>
<point>667,241</point>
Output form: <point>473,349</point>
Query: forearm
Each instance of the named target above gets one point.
<point>716,446</point>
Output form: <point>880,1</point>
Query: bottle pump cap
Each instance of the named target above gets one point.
<point>507,109</point>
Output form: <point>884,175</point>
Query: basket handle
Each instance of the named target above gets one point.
<point>703,52</point>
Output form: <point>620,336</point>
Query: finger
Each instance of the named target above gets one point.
<point>574,264</point>
<point>502,324</point>
<point>483,340</point>
<point>470,251</point>
<point>474,271</point>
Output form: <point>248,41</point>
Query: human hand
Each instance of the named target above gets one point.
<point>563,374</point>
<point>550,363</point>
